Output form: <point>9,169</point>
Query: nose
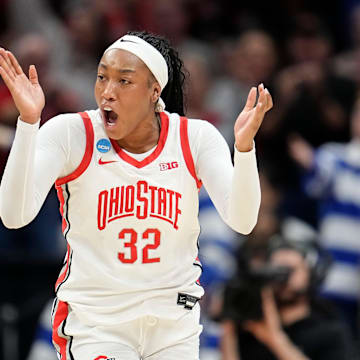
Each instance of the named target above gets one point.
<point>109,91</point>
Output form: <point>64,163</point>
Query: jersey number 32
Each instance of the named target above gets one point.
<point>130,238</point>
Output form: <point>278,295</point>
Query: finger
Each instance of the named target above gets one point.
<point>11,65</point>
<point>33,76</point>
<point>251,99</point>
<point>7,80</point>
<point>261,88</point>
<point>262,95</point>
<point>269,99</point>
<point>259,114</point>
<point>8,67</point>
<point>249,325</point>
<point>262,103</point>
<point>15,64</point>
<point>268,300</point>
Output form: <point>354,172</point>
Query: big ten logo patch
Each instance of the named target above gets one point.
<point>103,145</point>
<point>168,165</point>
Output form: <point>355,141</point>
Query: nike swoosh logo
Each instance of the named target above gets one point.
<point>122,40</point>
<point>106,162</point>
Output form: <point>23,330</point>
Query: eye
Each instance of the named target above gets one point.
<point>100,77</point>
<point>124,81</point>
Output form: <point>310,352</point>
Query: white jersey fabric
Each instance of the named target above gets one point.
<point>131,224</point>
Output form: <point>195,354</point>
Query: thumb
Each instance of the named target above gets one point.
<point>33,76</point>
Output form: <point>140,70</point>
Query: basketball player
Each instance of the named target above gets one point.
<point>127,177</point>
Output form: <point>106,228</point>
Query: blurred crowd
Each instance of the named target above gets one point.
<point>308,147</point>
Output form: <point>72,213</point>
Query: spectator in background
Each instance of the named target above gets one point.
<point>293,326</point>
<point>251,58</point>
<point>74,42</point>
<point>269,221</point>
<point>114,15</point>
<point>170,18</point>
<point>35,49</point>
<point>197,60</point>
<point>309,86</point>
<point>347,63</point>
<point>216,241</point>
<point>312,101</point>
<point>333,178</point>
<point>42,347</point>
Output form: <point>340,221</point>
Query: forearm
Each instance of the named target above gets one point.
<point>32,167</point>
<point>15,191</point>
<point>245,193</point>
<point>282,347</point>
<point>235,192</point>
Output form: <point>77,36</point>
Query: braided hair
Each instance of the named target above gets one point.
<point>173,93</point>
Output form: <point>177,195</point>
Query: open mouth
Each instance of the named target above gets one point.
<point>110,116</point>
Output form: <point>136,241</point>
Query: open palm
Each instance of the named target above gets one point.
<point>25,91</point>
<point>249,120</point>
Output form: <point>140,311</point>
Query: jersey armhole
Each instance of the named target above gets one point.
<point>89,148</point>
<point>185,146</point>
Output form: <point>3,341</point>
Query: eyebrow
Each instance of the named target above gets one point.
<point>119,70</point>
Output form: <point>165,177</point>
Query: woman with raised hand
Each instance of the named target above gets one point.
<point>127,176</point>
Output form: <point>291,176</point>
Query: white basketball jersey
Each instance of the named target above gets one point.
<point>131,227</point>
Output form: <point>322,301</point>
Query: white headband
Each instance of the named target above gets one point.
<point>149,55</point>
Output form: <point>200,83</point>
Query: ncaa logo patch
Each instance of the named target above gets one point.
<point>103,145</point>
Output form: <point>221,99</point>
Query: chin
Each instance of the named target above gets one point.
<point>113,134</point>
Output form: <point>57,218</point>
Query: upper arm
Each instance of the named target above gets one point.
<point>55,155</point>
<point>212,160</point>
<point>61,145</point>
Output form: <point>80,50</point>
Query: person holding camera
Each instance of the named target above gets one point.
<point>289,324</point>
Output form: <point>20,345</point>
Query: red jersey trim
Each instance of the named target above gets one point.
<point>161,143</point>
<point>87,155</point>
<point>60,195</point>
<point>65,273</point>
<point>185,146</point>
<point>60,340</point>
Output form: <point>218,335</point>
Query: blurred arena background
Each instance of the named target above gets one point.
<point>307,54</point>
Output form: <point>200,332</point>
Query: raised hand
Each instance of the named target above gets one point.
<point>269,328</point>
<point>26,92</point>
<point>249,120</point>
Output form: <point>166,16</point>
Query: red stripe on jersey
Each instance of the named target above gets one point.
<point>87,155</point>
<point>161,143</point>
<point>185,146</point>
<point>59,318</point>
<point>64,273</point>
<point>60,195</point>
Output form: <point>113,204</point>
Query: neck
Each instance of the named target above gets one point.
<point>144,137</point>
<point>292,313</point>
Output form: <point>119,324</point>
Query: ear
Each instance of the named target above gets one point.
<point>156,91</point>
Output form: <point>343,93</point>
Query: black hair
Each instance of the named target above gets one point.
<point>173,93</point>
